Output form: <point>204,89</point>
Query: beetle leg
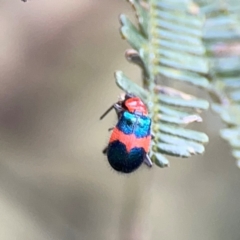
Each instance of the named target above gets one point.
<point>148,161</point>
<point>105,150</point>
<point>152,136</point>
<point>118,108</point>
<point>110,129</point>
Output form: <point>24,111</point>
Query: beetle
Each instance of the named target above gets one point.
<point>130,139</point>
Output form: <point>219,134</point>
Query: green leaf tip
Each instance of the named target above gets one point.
<point>160,160</point>
<point>128,86</point>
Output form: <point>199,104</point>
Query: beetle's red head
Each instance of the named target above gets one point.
<point>130,103</point>
<point>134,104</point>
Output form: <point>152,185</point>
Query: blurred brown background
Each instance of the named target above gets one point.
<point>57,60</point>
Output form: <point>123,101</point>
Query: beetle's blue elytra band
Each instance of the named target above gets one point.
<point>130,123</point>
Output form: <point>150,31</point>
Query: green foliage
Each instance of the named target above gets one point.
<point>181,41</point>
<point>167,45</point>
<point>222,38</point>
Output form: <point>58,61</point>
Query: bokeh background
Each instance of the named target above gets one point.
<point>57,60</point>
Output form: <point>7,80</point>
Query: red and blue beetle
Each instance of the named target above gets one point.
<point>130,139</point>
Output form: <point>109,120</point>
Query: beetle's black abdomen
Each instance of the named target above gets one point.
<point>124,161</point>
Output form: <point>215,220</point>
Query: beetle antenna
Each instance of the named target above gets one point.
<point>109,109</point>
